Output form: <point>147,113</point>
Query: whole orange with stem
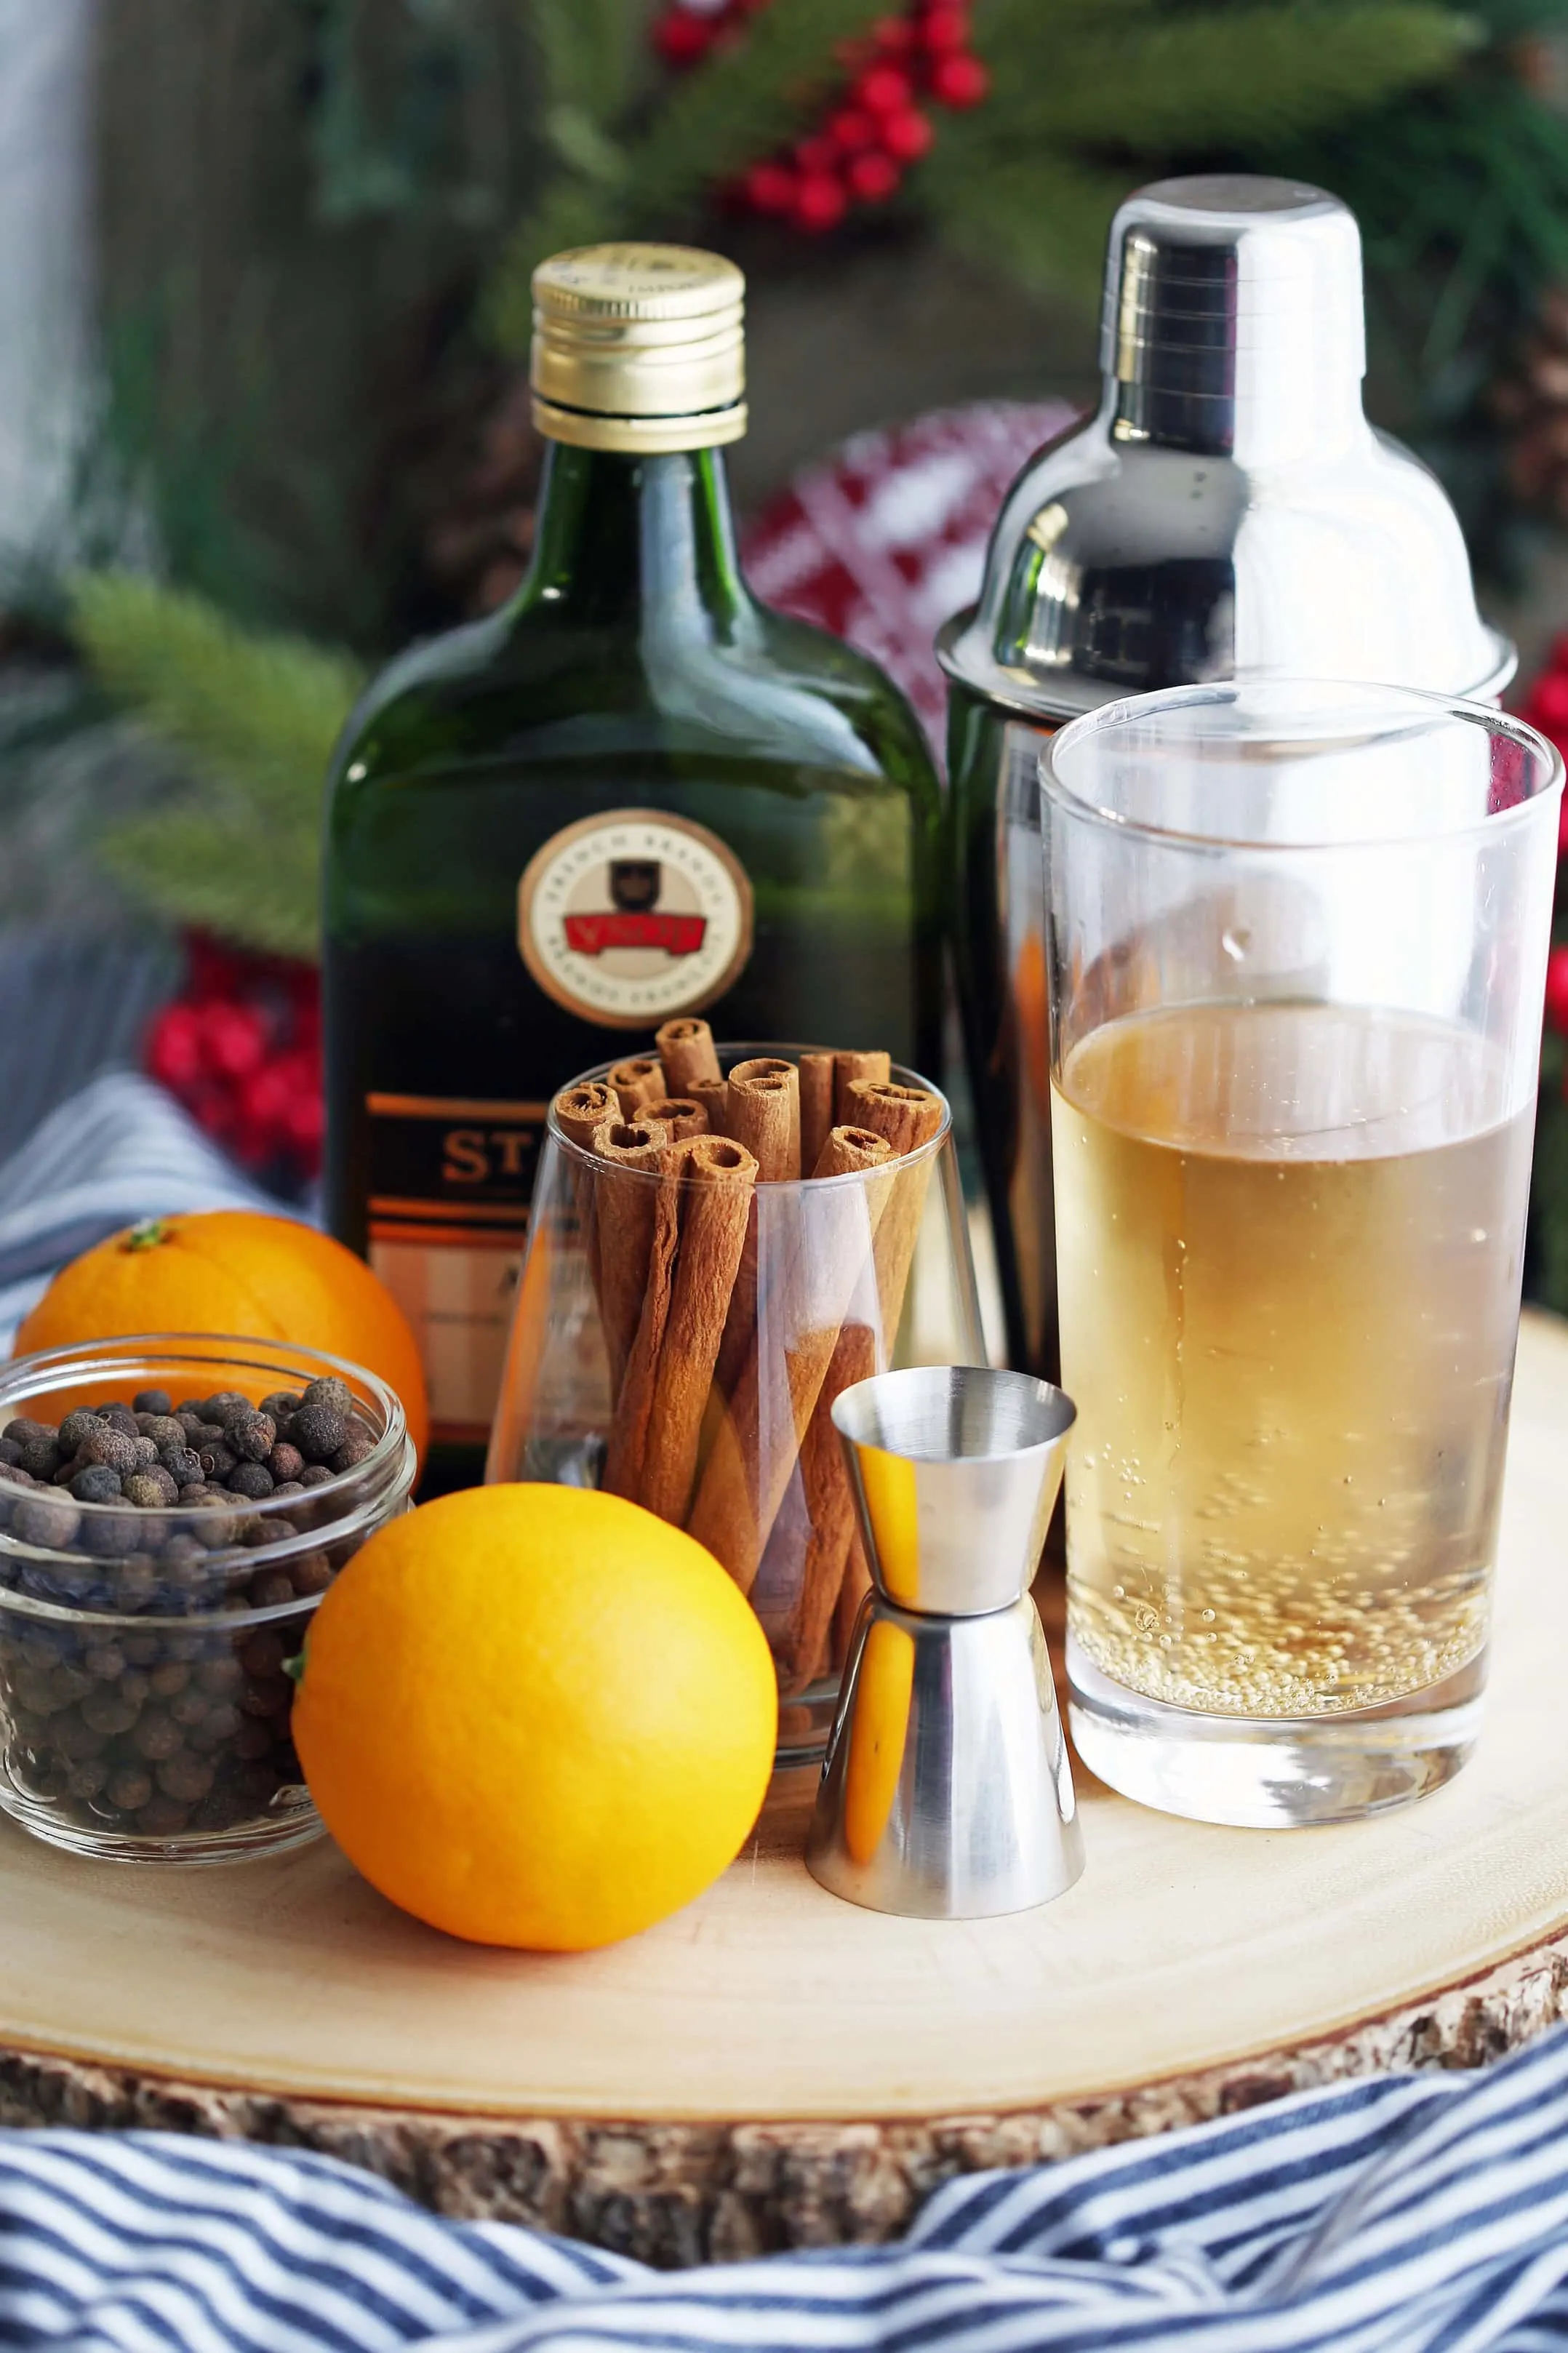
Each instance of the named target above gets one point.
<point>238,1272</point>
<point>537,1715</point>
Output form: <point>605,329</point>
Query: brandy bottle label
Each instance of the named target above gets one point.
<point>628,919</point>
<point>450,1181</point>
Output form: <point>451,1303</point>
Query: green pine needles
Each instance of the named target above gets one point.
<point>255,718</point>
<point>1087,98</point>
<point>630,165</point>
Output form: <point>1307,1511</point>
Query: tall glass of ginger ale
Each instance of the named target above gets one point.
<point>1298,936</point>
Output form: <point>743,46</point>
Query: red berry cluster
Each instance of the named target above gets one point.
<point>879,124</point>
<point>241,1049</point>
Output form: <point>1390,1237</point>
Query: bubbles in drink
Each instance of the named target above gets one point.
<point>1288,1245</point>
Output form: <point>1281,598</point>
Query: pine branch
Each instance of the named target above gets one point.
<point>1039,217</point>
<point>1013,183</point>
<point>226,873</point>
<point>258,712</point>
<point>1173,85</point>
<point>716,121</point>
<point>256,717</point>
<point>1463,202</point>
<point>1419,177</point>
<point>590,52</point>
<point>1505,20</point>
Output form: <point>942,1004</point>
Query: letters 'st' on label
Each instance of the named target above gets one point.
<point>628,919</point>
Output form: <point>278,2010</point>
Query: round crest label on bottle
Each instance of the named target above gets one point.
<point>628,919</point>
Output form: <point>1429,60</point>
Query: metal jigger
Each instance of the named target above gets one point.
<point>946,1791</point>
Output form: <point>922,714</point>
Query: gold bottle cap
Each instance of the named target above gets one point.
<point>640,347</point>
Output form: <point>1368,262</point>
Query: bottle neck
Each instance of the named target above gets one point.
<point>643,542</point>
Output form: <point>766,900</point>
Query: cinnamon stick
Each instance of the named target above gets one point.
<point>763,1110</point>
<point>627,1453</point>
<point>846,1149</point>
<point>848,1069</point>
<point>580,1110</point>
<point>835,1575</point>
<point>682,1114</point>
<point>624,1203</point>
<point>830,1503</point>
<point>713,1094</point>
<point>821,1264</point>
<point>637,1082</point>
<point>910,1117</point>
<point>816,1114</point>
<point>686,1049</point>
<point>829,1500</point>
<point>718,1179</point>
<point>907,1116</point>
<point>621,1141</point>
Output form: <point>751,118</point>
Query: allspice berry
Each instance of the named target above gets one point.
<point>253,1436</point>
<point>318,1431</point>
<point>112,1447</point>
<point>335,1394</point>
<point>151,1489</point>
<point>96,1485</point>
<point>358,1446</point>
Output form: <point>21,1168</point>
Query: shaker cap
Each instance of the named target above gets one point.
<point>1236,289</point>
<point>640,347</point>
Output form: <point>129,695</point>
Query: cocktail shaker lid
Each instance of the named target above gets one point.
<point>1231,289</point>
<point>1228,510</point>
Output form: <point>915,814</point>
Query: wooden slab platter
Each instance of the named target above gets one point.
<point>774,2067</point>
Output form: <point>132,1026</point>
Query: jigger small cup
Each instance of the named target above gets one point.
<point>946,1791</point>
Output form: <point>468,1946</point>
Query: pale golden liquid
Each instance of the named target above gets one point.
<point>1288,1243</point>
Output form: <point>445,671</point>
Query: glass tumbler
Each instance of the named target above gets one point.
<point>834,1279</point>
<point>1298,936</point>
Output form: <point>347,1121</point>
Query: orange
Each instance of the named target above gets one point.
<point>235,1271</point>
<point>537,1716</point>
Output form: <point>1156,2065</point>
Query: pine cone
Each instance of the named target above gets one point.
<point>1530,404</point>
<point>479,537</point>
<point>450,503</point>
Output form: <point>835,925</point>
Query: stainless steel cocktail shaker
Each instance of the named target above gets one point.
<point>1227,513</point>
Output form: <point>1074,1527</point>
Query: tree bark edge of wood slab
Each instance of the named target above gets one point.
<point>674,2193</point>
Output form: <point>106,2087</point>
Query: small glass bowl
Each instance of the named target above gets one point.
<point>145,1696</point>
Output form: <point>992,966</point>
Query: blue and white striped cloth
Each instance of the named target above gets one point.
<point>119,1150</point>
<point>1401,2215</point>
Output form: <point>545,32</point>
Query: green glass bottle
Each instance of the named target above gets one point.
<point>632,793</point>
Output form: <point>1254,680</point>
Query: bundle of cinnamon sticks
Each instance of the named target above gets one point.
<point>737,1303</point>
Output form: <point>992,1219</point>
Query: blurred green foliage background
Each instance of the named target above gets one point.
<point>307,436</point>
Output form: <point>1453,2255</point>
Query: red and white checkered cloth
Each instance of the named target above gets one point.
<point>886,537</point>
